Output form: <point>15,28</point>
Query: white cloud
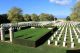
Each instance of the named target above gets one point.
<point>78,0</point>
<point>61,2</point>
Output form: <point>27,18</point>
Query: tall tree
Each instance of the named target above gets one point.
<point>15,14</point>
<point>34,17</point>
<point>75,15</point>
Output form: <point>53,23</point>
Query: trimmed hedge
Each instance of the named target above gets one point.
<point>25,42</point>
<point>36,43</point>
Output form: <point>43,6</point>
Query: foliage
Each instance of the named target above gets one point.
<point>55,18</point>
<point>3,18</point>
<point>46,17</point>
<point>15,14</point>
<point>75,15</point>
<point>27,17</point>
<point>68,18</point>
<point>34,17</point>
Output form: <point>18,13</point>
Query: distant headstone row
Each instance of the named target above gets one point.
<point>32,23</point>
<point>67,34</point>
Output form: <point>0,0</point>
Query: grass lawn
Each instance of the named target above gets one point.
<point>32,34</point>
<point>12,48</point>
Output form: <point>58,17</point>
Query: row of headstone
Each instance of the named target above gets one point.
<point>71,36</point>
<point>75,33</point>
<point>60,24</point>
<point>56,32</point>
<point>71,26</point>
<point>33,23</point>
<point>64,42</point>
<point>58,38</point>
<point>60,34</point>
<point>52,37</point>
<point>78,36</point>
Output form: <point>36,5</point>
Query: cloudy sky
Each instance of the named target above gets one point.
<point>59,8</point>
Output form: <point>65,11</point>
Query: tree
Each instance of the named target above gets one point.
<point>51,17</point>
<point>15,14</point>
<point>3,18</point>
<point>55,18</point>
<point>27,17</point>
<point>75,15</point>
<point>46,17</point>
<point>34,17</point>
<point>68,18</point>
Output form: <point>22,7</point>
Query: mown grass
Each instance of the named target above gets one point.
<point>12,48</point>
<point>32,34</point>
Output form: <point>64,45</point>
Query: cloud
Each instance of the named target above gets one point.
<point>61,2</point>
<point>78,0</point>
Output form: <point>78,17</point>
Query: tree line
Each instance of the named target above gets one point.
<point>75,15</point>
<point>15,15</point>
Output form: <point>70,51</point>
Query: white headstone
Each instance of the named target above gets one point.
<point>52,37</point>
<point>72,44</point>
<point>32,27</point>
<point>71,39</point>
<point>64,38</point>
<point>48,42</point>
<point>77,36</point>
<point>58,38</point>
<point>18,28</point>
<point>60,35</point>
<point>56,43</point>
<point>49,28</point>
<point>2,33</point>
<point>64,44</point>
<point>78,40</point>
<point>11,33</point>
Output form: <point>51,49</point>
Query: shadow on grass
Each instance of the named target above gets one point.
<point>22,28</point>
<point>7,38</point>
<point>73,51</point>
<point>28,37</point>
<point>44,38</point>
<point>19,36</point>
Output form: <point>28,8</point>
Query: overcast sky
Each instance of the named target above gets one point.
<point>59,8</point>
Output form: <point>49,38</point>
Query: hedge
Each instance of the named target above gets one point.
<point>36,43</point>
